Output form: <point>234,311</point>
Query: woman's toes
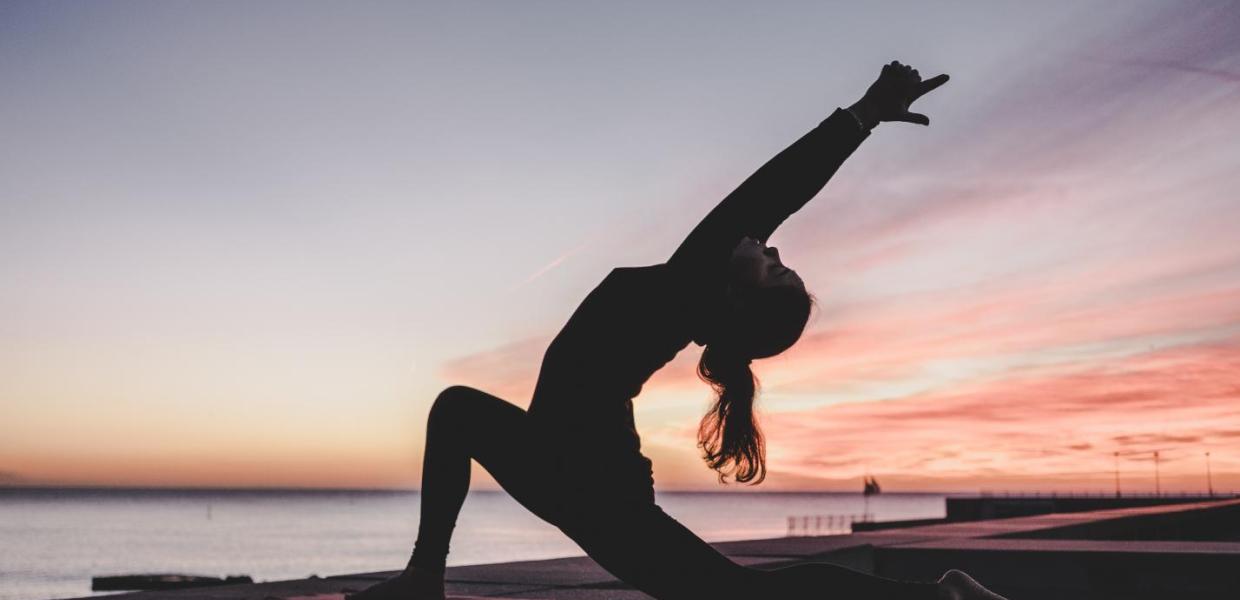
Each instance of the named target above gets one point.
<point>963,587</point>
<point>396,588</point>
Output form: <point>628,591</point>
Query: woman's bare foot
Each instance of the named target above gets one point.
<point>411,584</point>
<point>956,585</point>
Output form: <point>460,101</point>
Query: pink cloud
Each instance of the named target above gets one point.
<point>508,371</point>
<point>1064,421</point>
<point>547,268</point>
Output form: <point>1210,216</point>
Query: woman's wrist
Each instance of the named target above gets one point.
<point>865,114</point>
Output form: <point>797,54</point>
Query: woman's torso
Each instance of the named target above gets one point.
<point>634,322</point>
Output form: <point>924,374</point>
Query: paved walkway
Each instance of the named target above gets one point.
<point>1006,554</point>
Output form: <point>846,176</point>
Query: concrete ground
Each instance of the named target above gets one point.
<point>1067,556</point>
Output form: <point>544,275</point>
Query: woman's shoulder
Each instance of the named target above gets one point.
<point>664,282</point>
<point>655,269</point>
<point>650,282</point>
<point>695,282</point>
<point>661,274</point>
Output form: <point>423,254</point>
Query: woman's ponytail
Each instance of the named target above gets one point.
<point>728,435</point>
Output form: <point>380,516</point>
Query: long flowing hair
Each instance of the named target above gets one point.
<point>765,322</point>
<point>729,435</point>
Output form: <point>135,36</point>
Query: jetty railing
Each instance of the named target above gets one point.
<point>814,525</point>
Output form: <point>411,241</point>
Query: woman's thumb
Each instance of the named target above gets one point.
<point>912,117</point>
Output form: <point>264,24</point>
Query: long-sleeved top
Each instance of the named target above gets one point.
<point>638,318</point>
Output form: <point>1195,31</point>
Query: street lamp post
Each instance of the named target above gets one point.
<point>1209,479</point>
<point>1157,483</point>
<point>1117,494</point>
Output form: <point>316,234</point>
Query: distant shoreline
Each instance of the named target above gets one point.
<point>313,490</point>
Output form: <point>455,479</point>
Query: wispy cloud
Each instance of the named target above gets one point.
<point>1063,420</point>
<point>508,371</point>
<point>1225,75</point>
<point>543,270</point>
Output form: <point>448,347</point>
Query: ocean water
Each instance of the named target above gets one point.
<point>53,541</point>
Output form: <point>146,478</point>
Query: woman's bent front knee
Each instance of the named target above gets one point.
<point>458,406</point>
<point>452,404</point>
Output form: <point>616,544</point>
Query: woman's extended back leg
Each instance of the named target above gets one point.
<point>650,550</point>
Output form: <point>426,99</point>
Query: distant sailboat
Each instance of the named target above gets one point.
<point>871,486</point>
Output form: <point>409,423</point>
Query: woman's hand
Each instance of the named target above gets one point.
<point>955,585</point>
<point>890,95</point>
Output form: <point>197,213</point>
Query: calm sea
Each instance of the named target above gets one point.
<point>53,541</point>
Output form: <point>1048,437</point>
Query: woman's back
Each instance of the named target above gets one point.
<point>631,325</point>
<point>634,322</point>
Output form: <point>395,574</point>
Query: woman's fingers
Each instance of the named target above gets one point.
<point>921,89</point>
<point>898,86</point>
<point>930,84</point>
<point>912,117</point>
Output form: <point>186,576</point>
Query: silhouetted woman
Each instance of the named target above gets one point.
<point>574,459</point>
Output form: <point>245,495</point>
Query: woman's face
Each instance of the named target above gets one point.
<point>756,265</point>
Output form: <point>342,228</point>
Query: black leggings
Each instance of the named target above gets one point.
<point>634,540</point>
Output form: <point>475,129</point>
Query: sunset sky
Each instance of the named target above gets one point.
<point>246,244</point>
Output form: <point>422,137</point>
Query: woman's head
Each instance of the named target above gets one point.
<point>768,308</point>
<point>768,305</point>
<point>754,264</point>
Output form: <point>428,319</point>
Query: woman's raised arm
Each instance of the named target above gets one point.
<point>794,176</point>
<point>779,188</point>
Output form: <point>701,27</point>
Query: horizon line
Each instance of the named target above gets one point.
<point>290,489</point>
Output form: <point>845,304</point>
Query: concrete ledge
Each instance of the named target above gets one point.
<point>1023,557</point>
